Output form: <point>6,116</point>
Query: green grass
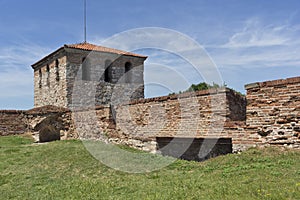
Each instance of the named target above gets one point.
<point>65,170</point>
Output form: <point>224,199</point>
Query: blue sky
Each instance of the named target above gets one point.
<point>248,40</point>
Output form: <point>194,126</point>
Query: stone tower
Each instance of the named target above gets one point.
<point>109,73</point>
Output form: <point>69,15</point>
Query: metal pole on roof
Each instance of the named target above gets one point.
<point>84,21</point>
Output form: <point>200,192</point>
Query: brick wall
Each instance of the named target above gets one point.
<point>94,124</point>
<point>202,114</point>
<point>12,122</point>
<point>273,112</point>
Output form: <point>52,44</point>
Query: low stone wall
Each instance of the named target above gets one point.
<point>14,122</point>
<point>60,118</point>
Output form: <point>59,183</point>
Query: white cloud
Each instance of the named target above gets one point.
<point>255,34</point>
<point>21,54</point>
<point>259,45</point>
<point>16,75</point>
<point>254,47</point>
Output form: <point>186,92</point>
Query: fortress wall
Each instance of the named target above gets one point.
<point>12,122</point>
<point>201,114</point>
<point>186,115</point>
<point>272,117</point>
<point>96,123</point>
<point>273,111</point>
<point>241,140</point>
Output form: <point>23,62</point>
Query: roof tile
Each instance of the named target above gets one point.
<point>93,47</point>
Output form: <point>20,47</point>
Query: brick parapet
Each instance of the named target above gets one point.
<point>46,110</point>
<point>285,82</point>
<point>184,95</point>
<point>12,111</point>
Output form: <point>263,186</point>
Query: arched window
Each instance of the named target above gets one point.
<point>107,72</point>
<point>57,69</point>
<point>86,69</point>
<point>48,75</point>
<point>128,76</point>
<point>40,78</point>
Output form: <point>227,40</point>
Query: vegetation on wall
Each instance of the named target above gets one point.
<point>205,86</point>
<point>201,86</point>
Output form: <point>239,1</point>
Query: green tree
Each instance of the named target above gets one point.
<point>203,86</point>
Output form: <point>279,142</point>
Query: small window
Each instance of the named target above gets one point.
<point>128,67</point>
<point>40,78</point>
<point>86,69</point>
<point>108,71</point>
<point>48,75</point>
<point>57,69</point>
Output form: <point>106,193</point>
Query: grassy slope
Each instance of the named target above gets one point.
<point>65,170</point>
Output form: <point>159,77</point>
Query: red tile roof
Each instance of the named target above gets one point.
<point>93,47</point>
<point>89,47</point>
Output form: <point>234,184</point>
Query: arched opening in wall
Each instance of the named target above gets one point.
<point>128,77</point>
<point>57,69</point>
<point>86,69</point>
<point>40,78</point>
<point>48,75</point>
<point>108,71</point>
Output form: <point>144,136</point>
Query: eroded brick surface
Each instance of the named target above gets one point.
<point>273,111</point>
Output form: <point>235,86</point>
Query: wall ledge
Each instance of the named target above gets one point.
<point>271,83</point>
